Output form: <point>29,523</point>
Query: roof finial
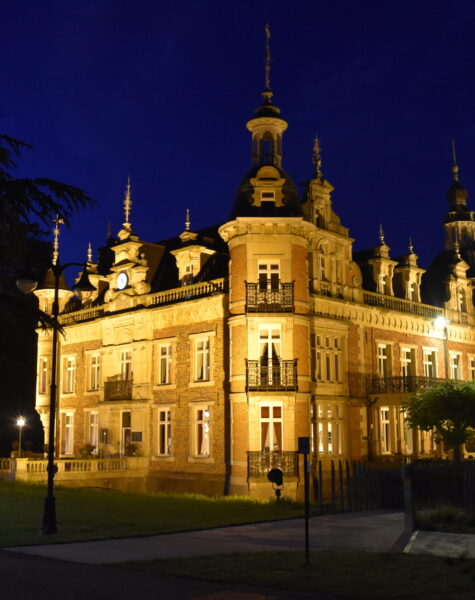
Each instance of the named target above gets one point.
<point>317,158</point>
<point>455,169</point>
<point>109,230</point>
<point>187,220</point>
<point>267,93</point>
<point>411,247</point>
<point>381,235</point>
<point>57,222</point>
<point>127,204</point>
<point>89,253</point>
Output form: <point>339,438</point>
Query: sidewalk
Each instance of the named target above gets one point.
<point>375,531</point>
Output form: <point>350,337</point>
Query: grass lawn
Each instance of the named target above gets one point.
<point>86,514</point>
<point>359,576</point>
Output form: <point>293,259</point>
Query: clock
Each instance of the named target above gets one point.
<point>122,280</point>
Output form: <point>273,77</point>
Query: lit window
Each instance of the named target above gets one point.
<point>126,365</point>
<point>407,362</point>
<point>462,302</point>
<point>164,432</point>
<point>43,376</point>
<point>202,431</point>
<point>202,359</point>
<point>95,372</point>
<point>67,433</point>
<point>329,430</point>
<point>271,428</point>
<point>455,366</point>
<point>471,367</point>
<point>70,375</point>
<point>384,368</point>
<point>385,430</point>
<point>268,275</point>
<point>165,364</point>
<point>94,430</point>
<point>429,359</point>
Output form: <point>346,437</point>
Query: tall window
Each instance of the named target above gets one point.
<point>328,358</point>
<point>43,376</point>
<point>95,373</point>
<point>462,301</point>
<point>269,275</point>
<point>271,427</point>
<point>164,432</point>
<point>126,432</point>
<point>383,284</point>
<point>323,264</point>
<point>202,359</point>
<point>126,364</point>
<point>202,431</point>
<point>385,430</point>
<point>329,430</point>
<point>408,362</point>
<point>70,375</point>
<point>67,432</point>
<point>270,352</point>
<point>93,437</point>
<point>429,360</point>
<point>383,358</point>
<point>165,363</point>
<point>411,291</point>
<point>471,367</point>
<point>455,366</point>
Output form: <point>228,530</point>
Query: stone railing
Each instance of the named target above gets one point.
<point>259,463</point>
<point>402,305</point>
<point>187,292</point>
<point>81,315</point>
<point>266,300</point>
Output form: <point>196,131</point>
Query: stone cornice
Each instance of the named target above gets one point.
<point>262,225</point>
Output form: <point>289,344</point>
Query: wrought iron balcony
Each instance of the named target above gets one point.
<point>121,389</point>
<point>401,385</point>
<point>259,463</point>
<point>271,376</point>
<point>262,299</point>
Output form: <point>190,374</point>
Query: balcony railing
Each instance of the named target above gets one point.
<point>121,389</point>
<point>401,385</point>
<point>271,376</point>
<point>266,300</point>
<point>259,463</point>
<point>402,305</point>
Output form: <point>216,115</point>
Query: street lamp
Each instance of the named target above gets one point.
<point>83,285</point>
<point>21,423</point>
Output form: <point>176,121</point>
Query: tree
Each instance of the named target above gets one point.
<point>449,409</point>
<point>27,209</point>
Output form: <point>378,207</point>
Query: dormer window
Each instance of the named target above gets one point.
<point>268,196</point>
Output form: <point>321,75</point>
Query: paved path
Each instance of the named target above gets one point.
<point>375,531</point>
<point>453,545</point>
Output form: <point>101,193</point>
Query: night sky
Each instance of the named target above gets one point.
<point>162,91</point>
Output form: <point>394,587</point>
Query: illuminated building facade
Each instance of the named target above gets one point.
<point>199,360</point>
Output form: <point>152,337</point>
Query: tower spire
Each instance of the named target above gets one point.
<point>381,235</point>
<point>127,204</point>
<point>89,253</point>
<point>411,246</point>
<point>317,158</point>
<point>187,220</point>
<point>57,222</point>
<point>455,169</point>
<point>267,93</point>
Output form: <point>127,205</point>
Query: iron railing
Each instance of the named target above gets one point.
<point>271,375</point>
<point>259,299</point>
<point>259,463</point>
<point>400,385</point>
<point>121,389</point>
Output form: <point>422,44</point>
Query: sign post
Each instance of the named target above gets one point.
<point>304,448</point>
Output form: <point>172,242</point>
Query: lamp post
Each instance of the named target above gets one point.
<point>83,285</point>
<point>21,423</point>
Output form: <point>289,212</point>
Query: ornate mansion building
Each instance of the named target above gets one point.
<point>199,360</point>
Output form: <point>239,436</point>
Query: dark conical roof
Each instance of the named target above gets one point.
<point>243,206</point>
<point>457,196</point>
<point>48,281</point>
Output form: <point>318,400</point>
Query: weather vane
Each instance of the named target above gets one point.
<point>317,158</point>
<point>57,222</point>
<point>127,203</point>
<point>268,59</point>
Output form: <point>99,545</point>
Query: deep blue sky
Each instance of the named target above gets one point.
<point>162,90</point>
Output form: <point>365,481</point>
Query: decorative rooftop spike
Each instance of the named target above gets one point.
<point>109,230</point>
<point>268,61</point>
<point>455,169</point>
<point>411,247</point>
<point>381,235</point>
<point>187,220</point>
<point>57,222</point>
<point>317,158</point>
<point>89,253</point>
<point>127,204</point>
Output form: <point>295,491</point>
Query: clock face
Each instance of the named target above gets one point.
<point>122,280</point>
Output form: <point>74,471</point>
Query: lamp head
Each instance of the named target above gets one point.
<point>21,421</point>
<point>440,322</point>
